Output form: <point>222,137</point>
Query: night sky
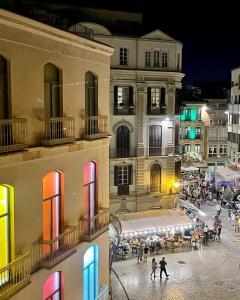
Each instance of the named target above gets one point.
<point>210,33</point>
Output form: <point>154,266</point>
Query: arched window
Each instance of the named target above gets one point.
<point>164,59</point>
<point>52,88</point>
<point>6,229</point>
<point>156,58</point>
<point>3,89</point>
<point>53,287</point>
<point>155,179</point>
<point>91,95</point>
<point>123,141</point>
<point>90,194</point>
<point>90,273</point>
<point>52,207</point>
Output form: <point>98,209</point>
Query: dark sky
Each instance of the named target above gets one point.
<point>209,31</point>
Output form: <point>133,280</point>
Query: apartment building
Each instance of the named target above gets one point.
<point>144,118</point>
<point>203,132</point>
<point>54,162</point>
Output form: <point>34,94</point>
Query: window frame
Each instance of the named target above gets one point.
<point>123,56</point>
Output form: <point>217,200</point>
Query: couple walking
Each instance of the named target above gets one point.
<point>162,264</point>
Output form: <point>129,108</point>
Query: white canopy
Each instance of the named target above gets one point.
<point>192,207</point>
<point>153,219</point>
<point>227,173</point>
<point>190,168</point>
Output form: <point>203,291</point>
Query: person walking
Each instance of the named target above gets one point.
<point>163,267</point>
<point>145,250</point>
<point>205,230</point>
<point>154,267</point>
<point>139,253</point>
<point>219,231</point>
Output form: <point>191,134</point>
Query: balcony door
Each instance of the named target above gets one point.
<point>90,195</point>
<point>6,229</point>
<point>123,141</point>
<point>53,287</point>
<point>91,103</point>
<point>155,179</point>
<point>52,208</point>
<point>90,273</point>
<point>155,140</point>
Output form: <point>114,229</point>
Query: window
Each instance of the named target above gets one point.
<point>53,287</point>
<point>164,60</point>
<point>156,100</point>
<point>178,62</point>
<point>198,113</point>
<point>123,100</point>
<point>6,229</point>
<point>3,89</point>
<point>187,133</point>
<point>187,148</point>
<point>222,134</point>
<point>223,150</point>
<point>123,178</point>
<point>197,132</point>
<point>123,141</point>
<point>147,59</point>
<point>156,58</point>
<point>197,148</point>
<point>123,56</point>
<point>212,151</point>
<point>90,193</point>
<point>91,103</point>
<point>155,179</point>
<point>90,273</point>
<point>187,114</point>
<point>155,140</point>
<point>52,204</point>
<point>52,89</point>
<point>212,133</point>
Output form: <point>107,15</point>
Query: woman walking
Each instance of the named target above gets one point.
<point>154,267</point>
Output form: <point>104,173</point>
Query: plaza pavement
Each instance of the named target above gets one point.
<point>211,273</point>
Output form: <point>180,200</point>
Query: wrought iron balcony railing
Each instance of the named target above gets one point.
<point>58,131</point>
<point>164,151</point>
<point>14,276</point>
<point>91,228</point>
<point>96,127</point>
<point>13,135</point>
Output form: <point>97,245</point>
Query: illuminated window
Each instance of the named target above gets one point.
<point>90,193</point>
<point>156,100</point>
<point>123,59</point>
<point>187,148</point>
<point>53,287</point>
<point>164,60</point>
<point>52,198</point>
<point>156,58</point>
<point>90,273</point>
<point>6,229</point>
<point>147,59</point>
<point>197,148</point>
<point>123,141</point>
<point>155,179</point>
<point>123,100</point>
<point>198,132</point>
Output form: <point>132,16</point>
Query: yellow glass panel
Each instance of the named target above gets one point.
<point>3,200</point>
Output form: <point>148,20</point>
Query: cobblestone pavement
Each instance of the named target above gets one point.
<point>210,273</point>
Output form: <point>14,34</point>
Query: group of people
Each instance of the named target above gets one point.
<point>162,264</point>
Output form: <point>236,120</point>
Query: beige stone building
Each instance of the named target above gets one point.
<point>54,162</point>
<point>144,122</point>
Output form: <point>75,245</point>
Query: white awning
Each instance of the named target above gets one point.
<point>227,173</point>
<point>153,220</point>
<point>191,207</point>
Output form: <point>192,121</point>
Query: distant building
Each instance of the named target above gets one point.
<point>144,151</point>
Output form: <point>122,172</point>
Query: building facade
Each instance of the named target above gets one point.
<point>54,162</point>
<point>203,132</point>
<point>144,122</point>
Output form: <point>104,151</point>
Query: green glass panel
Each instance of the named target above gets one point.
<point>192,134</point>
<point>182,116</point>
<point>193,114</point>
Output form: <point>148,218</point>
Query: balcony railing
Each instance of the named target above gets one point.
<point>58,131</point>
<point>54,251</point>
<point>164,151</point>
<point>124,110</point>
<point>96,127</point>
<point>13,135</point>
<point>14,276</point>
<point>93,227</point>
<point>103,293</point>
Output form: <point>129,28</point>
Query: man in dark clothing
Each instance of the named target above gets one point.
<point>163,267</point>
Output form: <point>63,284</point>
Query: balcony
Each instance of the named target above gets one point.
<point>103,293</point>
<point>122,109</point>
<point>14,276</point>
<point>58,131</point>
<point>156,189</point>
<point>96,127</point>
<point>164,151</point>
<point>54,251</point>
<point>91,228</point>
<point>13,135</point>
